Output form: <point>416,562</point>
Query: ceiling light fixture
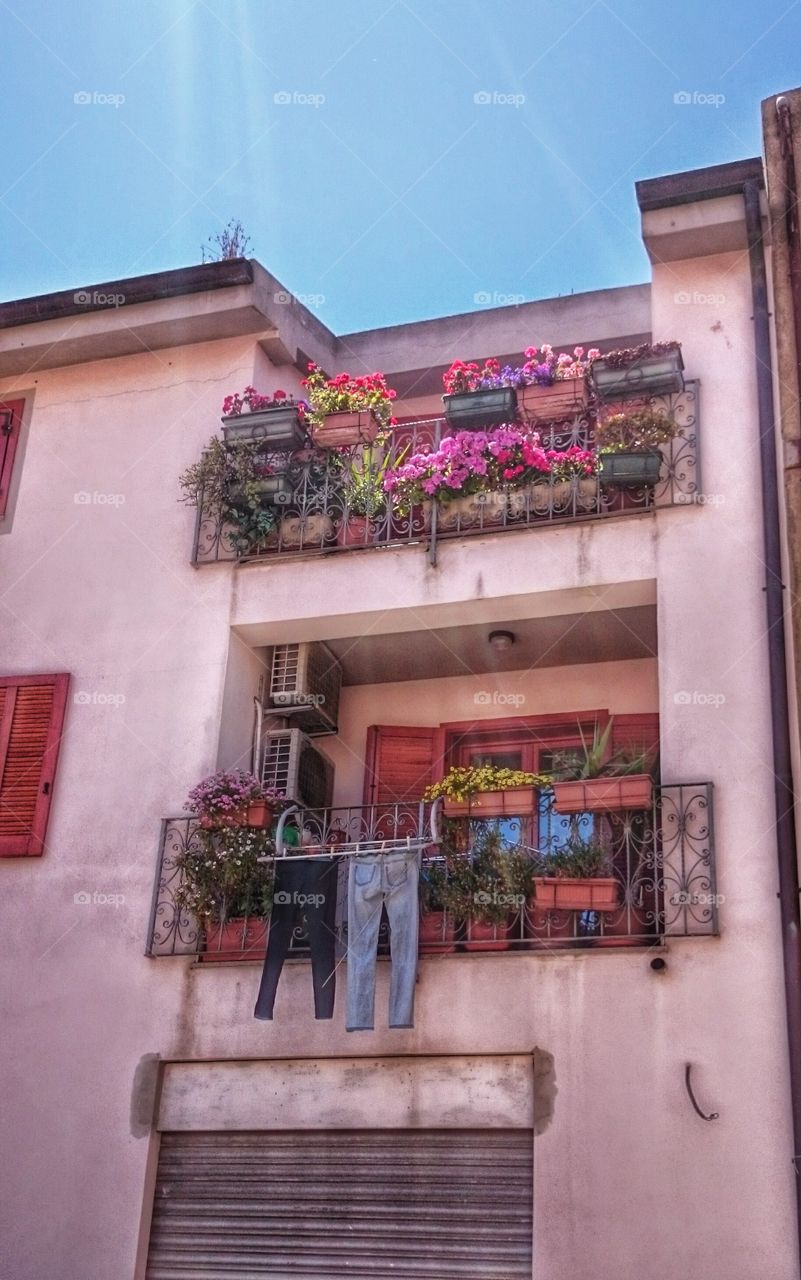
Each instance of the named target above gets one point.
<point>501,640</point>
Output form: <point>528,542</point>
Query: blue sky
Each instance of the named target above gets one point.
<point>350,140</point>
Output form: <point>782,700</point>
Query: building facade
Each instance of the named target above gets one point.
<point>550,1113</point>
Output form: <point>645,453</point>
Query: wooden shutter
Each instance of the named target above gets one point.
<point>400,763</point>
<point>326,1205</point>
<point>637,733</point>
<point>10,426</point>
<point>31,719</point>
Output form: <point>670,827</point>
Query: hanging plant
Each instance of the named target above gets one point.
<point>227,484</point>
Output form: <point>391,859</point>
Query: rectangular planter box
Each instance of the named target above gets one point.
<point>475,410</point>
<point>631,470</point>
<point>339,430</point>
<point>604,795</point>
<point>487,937</point>
<point>274,491</point>
<point>279,428</point>
<point>516,802</point>
<point>236,940</point>
<point>648,376</point>
<point>558,893</point>
<point>562,400</point>
<point>437,931</point>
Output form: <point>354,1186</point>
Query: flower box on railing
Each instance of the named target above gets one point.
<point>242,938</point>
<point>476,410</point>
<point>515,802</point>
<point>604,795</point>
<point>630,469</point>
<point>340,430</point>
<point>660,373</point>
<point>565,398</point>
<point>279,427</point>
<point>561,893</point>
<point>437,933</point>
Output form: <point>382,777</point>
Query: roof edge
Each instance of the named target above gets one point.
<point>698,184</point>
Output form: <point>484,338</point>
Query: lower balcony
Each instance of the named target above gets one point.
<point>659,884</point>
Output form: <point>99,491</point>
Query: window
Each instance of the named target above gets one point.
<point>10,426</point>
<point>31,720</point>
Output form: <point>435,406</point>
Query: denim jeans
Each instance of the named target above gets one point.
<point>308,887</point>
<point>389,880</point>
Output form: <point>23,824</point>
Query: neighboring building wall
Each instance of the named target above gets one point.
<point>628,1180</point>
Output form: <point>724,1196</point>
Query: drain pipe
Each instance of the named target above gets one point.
<point>777,660</point>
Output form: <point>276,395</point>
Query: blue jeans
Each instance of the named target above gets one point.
<point>389,880</point>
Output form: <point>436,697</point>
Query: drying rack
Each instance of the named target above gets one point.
<point>369,848</point>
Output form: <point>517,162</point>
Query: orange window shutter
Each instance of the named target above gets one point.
<point>31,722</point>
<point>400,763</point>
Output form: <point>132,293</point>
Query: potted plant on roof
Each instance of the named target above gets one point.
<point>576,876</point>
<point>477,398</point>
<point>277,420</point>
<point>651,369</point>
<point>486,791</point>
<point>346,411</point>
<point>596,779</point>
<point>228,891</point>
<point>553,387</point>
<point>629,446</point>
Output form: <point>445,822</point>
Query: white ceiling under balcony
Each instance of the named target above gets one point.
<point>563,640</point>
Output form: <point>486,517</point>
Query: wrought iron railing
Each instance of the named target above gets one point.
<point>316,517</point>
<point>662,866</point>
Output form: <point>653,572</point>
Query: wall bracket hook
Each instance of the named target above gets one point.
<point>713,1115</point>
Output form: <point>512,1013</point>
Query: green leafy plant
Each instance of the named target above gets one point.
<point>363,475</point>
<point>578,859</point>
<point>221,878</point>
<point>226,483</point>
<point>642,430</point>
<point>595,760</point>
<point>463,781</point>
<point>487,881</point>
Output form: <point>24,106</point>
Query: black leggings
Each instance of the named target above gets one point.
<point>307,886</point>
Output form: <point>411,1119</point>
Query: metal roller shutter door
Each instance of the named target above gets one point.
<point>445,1204</point>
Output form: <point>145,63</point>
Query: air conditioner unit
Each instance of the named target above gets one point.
<point>305,680</point>
<point>293,764</point>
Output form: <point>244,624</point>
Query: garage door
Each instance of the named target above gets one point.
<point>445,1203</point>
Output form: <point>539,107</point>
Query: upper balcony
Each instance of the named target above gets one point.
<point>305,505</point>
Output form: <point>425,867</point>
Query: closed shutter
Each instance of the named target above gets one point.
<point>400,763</point>
<point>10,426</point>
<point>366,1205</point>
<point>31,719</point>
<point>637,733</point>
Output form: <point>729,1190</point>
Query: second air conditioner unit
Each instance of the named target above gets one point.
<point>295,765</point>
<point>305,682</point>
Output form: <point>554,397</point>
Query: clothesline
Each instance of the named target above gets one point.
<point>375,847</point>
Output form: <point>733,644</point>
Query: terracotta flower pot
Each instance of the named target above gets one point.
<point>242,938</point>
<point>559,893</point>
<point>355,531</point>
<point>260,813</point>
<point>515,802</point>
<point>487,937</point>
<point>562,400</point>
<point>604,795</point>
<point>437,930</point>
<point>338,430</point>
<point>215,821</point>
